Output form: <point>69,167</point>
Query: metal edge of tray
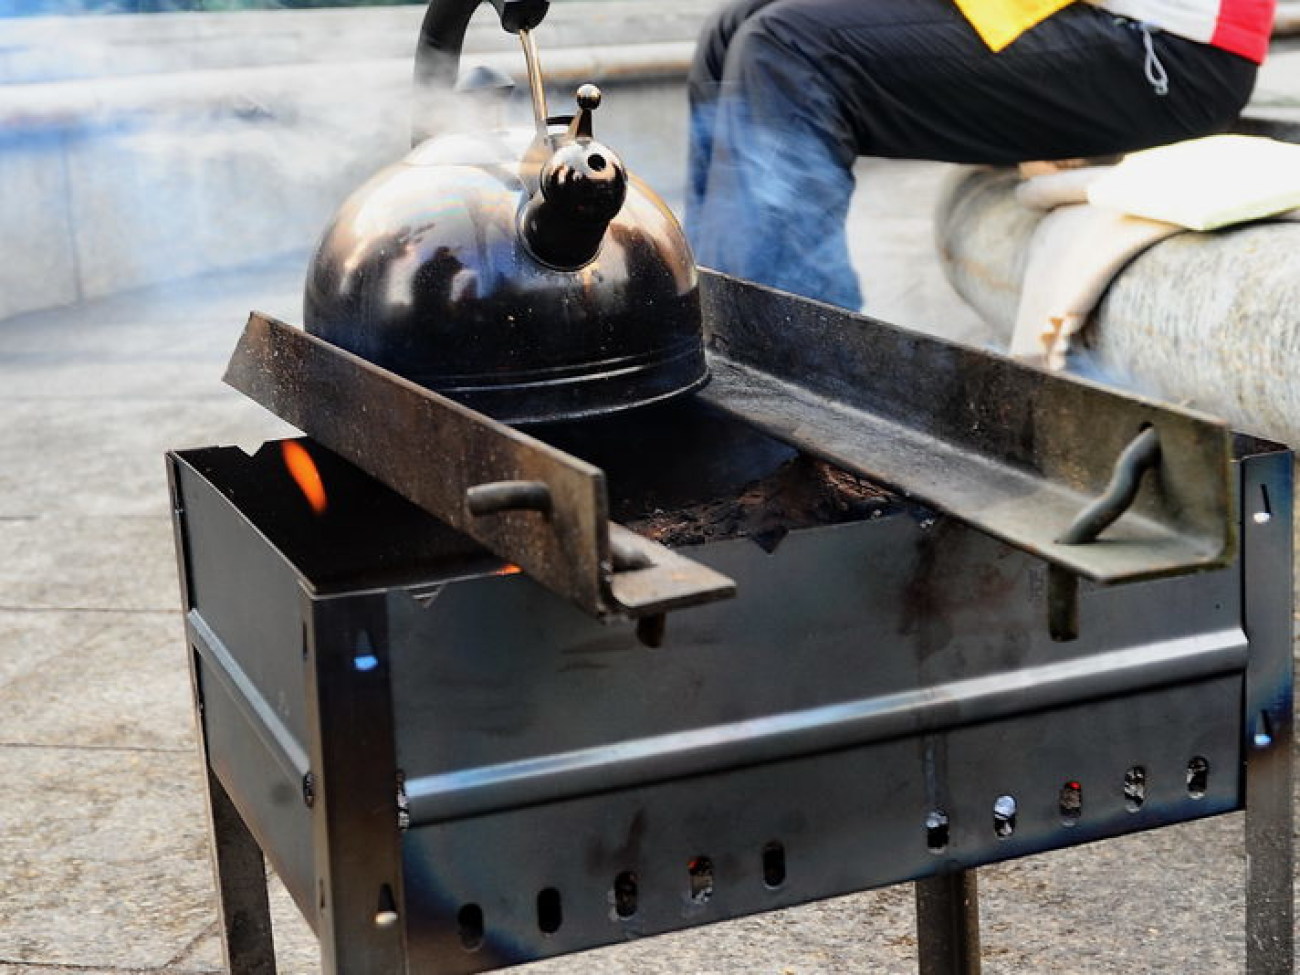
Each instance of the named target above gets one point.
<point>1008,448</point>
<point>531,504</point>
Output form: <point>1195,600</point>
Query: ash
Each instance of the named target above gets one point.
<point>802,493</point>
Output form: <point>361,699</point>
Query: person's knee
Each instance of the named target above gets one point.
<point>789,25</point>
<point>774,72</point>
<point>715,38</point>
<point>724,22</point>
<point>775,46</point>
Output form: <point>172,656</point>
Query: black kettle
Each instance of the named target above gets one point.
<point>523,273</point>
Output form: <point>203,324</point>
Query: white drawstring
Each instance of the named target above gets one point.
<point>1155,71</point>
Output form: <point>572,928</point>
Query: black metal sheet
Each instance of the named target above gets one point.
<point>1013,450</point>
<point>843,821</point>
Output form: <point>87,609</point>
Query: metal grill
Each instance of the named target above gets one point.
<point>455,766</point>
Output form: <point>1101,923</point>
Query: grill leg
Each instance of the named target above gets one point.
<point>948,924</point>
<point>241,889</point>
<point>1268,595</point>
<point>357,843</point>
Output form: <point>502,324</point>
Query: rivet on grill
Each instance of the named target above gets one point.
<point>386,912</point>
<point>701,875</point>
<point>625,894</point>
<point>1263,736</point>
<point>1265,513</point>
<point>1135,788</point>
<point>1004,816</point>
<point>469,925</point>
<point>936,831</point>
<point>364,659</point>
<point>1070,803</point>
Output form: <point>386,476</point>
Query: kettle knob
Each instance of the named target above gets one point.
<point>588,97</point>
<point>581,188</point>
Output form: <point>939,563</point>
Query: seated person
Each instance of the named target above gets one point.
<point>786,94</point>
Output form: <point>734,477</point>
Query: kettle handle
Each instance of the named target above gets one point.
<point>442,35</point>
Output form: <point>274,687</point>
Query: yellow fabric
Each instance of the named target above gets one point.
<point>999,22</point>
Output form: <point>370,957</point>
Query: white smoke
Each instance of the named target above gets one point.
<point>142,148</point>
<point>152,174</point>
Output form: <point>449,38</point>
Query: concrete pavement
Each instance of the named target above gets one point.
<point>103,842</point>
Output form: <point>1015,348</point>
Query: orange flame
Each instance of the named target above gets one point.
<point>304,473</point>
<point>509,569</point>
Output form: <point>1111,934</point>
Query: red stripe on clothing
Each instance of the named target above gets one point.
<point>1244,26</point>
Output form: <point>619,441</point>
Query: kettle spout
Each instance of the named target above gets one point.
<point>581,188</point>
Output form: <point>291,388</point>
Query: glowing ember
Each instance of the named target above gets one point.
<point>304,473</point>
<point>509,569</point>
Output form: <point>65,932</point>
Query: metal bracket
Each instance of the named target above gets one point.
<point>1012,450</point>
<point>526,501</point>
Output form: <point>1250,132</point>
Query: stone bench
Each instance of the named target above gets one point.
<point>1205,319</point>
